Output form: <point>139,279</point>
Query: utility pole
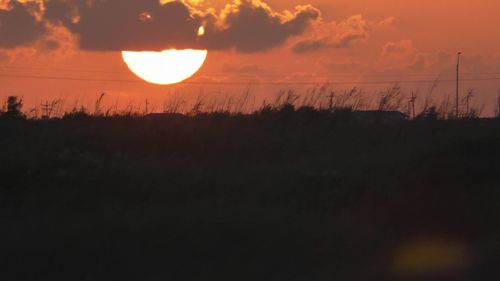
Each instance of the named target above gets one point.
<point>46,110</point>
<point>412,102</point>
<point>330,101</point>
<point>498,106</point>
<point>457,100</point>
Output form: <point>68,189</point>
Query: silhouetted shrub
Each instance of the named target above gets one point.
<point>81,113</point>
<point>14,107</point>
<point>430,113</point>
<point>287,108</point>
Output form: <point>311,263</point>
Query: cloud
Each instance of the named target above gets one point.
<point>52,45</point>
<point>335,35</point>
<point>403,55</point>
<point>399,57</point>
<point>113,25</point>
<point>388,23</point>
<point>19,25</point>
<point>250,26</point>
<point>340,35</point>
<point>317,44</point>
<point>402,47</point>
<point>418,64</point>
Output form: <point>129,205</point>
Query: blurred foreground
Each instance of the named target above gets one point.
<point>277,195</point>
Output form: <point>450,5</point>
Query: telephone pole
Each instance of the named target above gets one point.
<point>457,101</point>
<point>46,110</point>
<point>498,106</point>
<point>413,99</point>
<point>330,101</point>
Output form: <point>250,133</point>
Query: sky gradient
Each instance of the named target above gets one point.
<point>273,44</point>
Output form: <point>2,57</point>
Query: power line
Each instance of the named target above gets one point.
<point>63,69</point>
<point>349,75</point>
<point>67,78</point>
<point>346,75</point>
<point>250,74</point>
<point>64,78</point>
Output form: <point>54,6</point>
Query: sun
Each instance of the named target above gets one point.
<point>165,67</point>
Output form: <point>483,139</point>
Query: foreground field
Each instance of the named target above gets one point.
<point>288,195</point>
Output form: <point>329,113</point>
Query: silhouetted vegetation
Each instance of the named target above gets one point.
<point>321,98</point>
<point>13,108</point>
<point>289,192</point>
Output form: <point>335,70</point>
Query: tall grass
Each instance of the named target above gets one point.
<point>321,97</point>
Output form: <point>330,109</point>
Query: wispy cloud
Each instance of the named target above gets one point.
<point>340,35</point>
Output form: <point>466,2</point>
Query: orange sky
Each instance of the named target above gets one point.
<point>360,41</point>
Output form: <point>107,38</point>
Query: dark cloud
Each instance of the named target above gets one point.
<point>250,26</point>
<point>19,26</point>
<point>111,25</point>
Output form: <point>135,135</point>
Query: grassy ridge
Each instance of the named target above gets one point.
<point>277,195</point>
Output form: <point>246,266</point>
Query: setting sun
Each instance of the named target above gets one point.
<point>166,67</point>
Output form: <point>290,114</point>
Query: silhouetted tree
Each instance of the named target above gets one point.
<point>14,106</point>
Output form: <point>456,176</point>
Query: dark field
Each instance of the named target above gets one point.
<point>285,195</point>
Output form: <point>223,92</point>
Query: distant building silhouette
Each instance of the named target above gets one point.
<point>379,116</point>
<point>160,116</point>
